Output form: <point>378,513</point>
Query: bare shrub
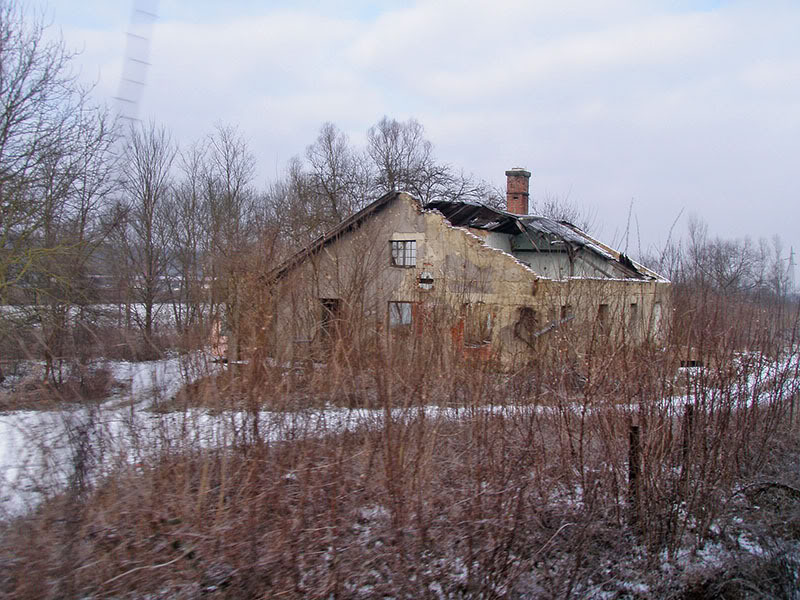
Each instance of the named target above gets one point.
<point>88,383</point>
<point>444,489</point>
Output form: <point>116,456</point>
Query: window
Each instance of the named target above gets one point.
<point>567,312</point>
<point>528,319</point>
<point>399,314</point>
<point>404,253</point>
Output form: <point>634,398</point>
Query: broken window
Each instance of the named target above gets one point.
<point>400,315</point>
<point>426,280</point>
<point>404,253</point>
<point>477,324</point>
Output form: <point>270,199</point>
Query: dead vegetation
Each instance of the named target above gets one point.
<point>76,385</point>
<point>591,470</point>
<point>401,467</point>
<point>463,483</point>
<point>509,503</point>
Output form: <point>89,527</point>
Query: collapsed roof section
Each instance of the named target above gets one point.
<point>529,234</point>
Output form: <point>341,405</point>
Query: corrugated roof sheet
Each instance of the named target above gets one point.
<point>480,216</point>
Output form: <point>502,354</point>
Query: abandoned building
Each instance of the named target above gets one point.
<point>487,282</point>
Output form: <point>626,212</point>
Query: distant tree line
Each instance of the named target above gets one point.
<point>761,269</point>
<point>738,289</point>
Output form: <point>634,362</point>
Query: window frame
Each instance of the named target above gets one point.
<point>403,253</point>
<point>634,318</point>
<point>604,317</point>
<point>401,324</point>
<point>330,317</point>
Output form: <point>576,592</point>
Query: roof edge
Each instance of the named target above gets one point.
<point>334,234</point>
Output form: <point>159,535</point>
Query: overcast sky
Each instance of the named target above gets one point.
<point>671,106</point>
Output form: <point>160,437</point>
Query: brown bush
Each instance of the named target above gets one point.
<point>79,384</point>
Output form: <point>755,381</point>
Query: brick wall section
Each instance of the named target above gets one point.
<point>517,181</point>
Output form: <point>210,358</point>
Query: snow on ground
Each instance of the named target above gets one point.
<point>146,380</point>
<point>41,451</point>
<point>105,314</point>
<point>751,384</point>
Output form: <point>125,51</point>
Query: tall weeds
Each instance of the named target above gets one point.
<point>394,469</point>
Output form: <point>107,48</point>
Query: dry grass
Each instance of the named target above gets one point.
<point>465,483</point>
<point>80,384</point>
<point>489,505</point>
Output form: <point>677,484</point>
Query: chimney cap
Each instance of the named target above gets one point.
<point>518,172</point>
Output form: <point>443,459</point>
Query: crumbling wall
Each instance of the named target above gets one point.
<point>455,269</point>
<point>520,300</point>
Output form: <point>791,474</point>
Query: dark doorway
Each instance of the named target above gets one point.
<point>331,313</point>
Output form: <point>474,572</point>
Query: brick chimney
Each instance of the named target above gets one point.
<point>517,180</point>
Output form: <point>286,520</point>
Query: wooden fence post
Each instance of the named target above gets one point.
<point>634,471</point>
<point>688,425</point>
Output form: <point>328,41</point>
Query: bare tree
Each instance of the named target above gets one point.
<point>300,214</point>
<point>403,159</point>
<point>41,105</point>
<point>55,174</point>
<point>339,177</point>
<point>149,155</point>
<point>74,187</point>
<point>561,208</point>
<point>186,219</point>
<point>726,265</point>
<point>230,209</point>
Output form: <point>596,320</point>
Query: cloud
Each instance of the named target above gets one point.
<point>671,105</point>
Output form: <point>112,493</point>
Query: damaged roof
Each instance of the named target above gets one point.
<point>543,234</point>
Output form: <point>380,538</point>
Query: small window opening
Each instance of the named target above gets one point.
<point>330,315</point>
<point>400,315</point>
<point>566,311</point>
<point>527,319</point>
<point>634,317</point>
<point>426,280</point>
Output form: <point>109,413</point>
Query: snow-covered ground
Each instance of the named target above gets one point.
<point>42,451</point>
